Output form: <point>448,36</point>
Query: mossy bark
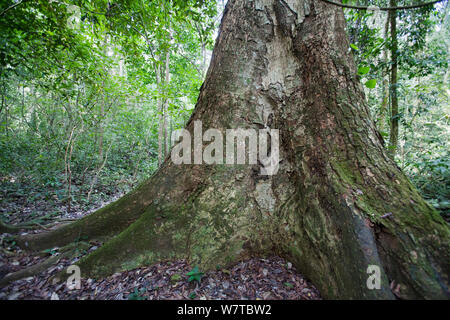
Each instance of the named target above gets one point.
<point>337,204</point>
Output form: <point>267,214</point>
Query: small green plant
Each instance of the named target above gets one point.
<point>137,294</point>
<point>192,295</point>
<point>12,246</point>
<point>289,285</point>
<point>195,274</point>
<point>10,242</point>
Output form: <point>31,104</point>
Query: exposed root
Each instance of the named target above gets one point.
<point>31,225</point>
<point>7,253</point>
<point>30,271</point>
<point>105,223</point>
<point>67,251</point>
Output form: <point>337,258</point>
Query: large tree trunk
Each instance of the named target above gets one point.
<point>337,204</point>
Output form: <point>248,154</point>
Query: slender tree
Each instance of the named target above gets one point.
<point>393,136</point>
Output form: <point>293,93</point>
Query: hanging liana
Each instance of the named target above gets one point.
<point>414,6</point>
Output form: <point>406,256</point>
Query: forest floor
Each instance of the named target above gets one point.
<point>253,279</point>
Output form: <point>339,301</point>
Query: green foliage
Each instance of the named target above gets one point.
<point>354,47</point>
<point>79,113</point>
<point>363,70</point>
<point>192,295</point>
<point>137,294</point>
<point>371,83</point>
<point>195,275</point>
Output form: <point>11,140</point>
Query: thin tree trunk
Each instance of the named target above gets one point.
<point>100,135</point>
<point>160,108</point>
<point>68,170</point>
<point>101,165</point>
<point>393,137</point>
<point>381,121</point>
<point>338,204</point>
<point>203,58</point>
<point>5,107</point>
<point>166,102</point>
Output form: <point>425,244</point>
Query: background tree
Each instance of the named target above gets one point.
<point>422,150</point>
